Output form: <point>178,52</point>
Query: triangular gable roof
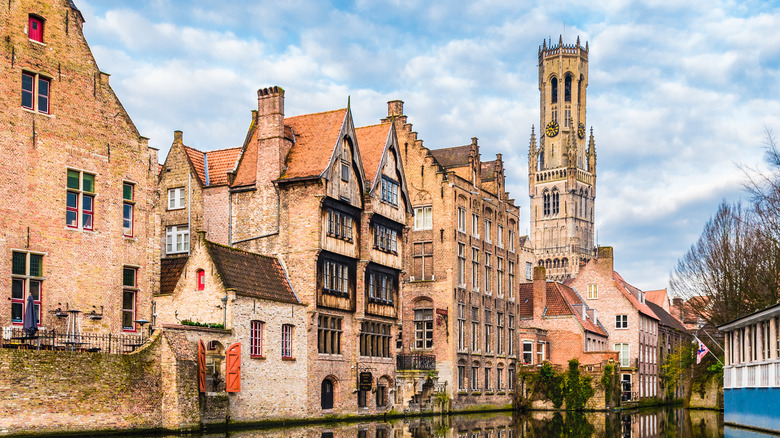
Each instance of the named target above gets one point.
<point>316,138</point>
<point>560,301</point>
<point>626,289</point>
<point>210,168</point>
<point>658,297</point>
<point>457,156</point>
<point>251,274</point>
<point>170,272</point>
<point>196,159</point>
<point>246,164</point>
<point>665,318</point>
<point>375,144</point>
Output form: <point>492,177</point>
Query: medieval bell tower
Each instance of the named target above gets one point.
<point>561,169</point>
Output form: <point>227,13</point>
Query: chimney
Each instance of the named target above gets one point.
<point>678,307</point>
<point>395,111</point>
<point>272,147</point>
<point>177,137</point>
<point>540,291</point>
<point>605,260</point>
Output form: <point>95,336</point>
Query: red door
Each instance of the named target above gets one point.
<point>35,30</point>
<point>233,381</point>
<point>201,367</point>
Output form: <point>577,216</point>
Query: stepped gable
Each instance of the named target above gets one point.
<point>170,272</point>
<point>457,156</point>
<point>251,274</point>
<point>629,292</point>
<point>372,141</point>
<point>316,136</point>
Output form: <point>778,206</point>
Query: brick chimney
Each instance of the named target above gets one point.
<point>605,260</point>
<point>272,147</point>
<point>540,291</point>
<point>677,304</point>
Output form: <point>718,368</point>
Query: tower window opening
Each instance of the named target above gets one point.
<point>567,89</point>
<point>567,116</point>
<point>555,202</point>
<point>554,90</point>
<point>546,200</point>
<point>554,114</point>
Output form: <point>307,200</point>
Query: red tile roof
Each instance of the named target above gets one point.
<point>560,302</point>
<point>372,141</point>
<point>316,136</point>
<point>627,290</point>
<point>196,159</point>
<point>220,161</point>
<point>659,297</point>
<point>170,271</point>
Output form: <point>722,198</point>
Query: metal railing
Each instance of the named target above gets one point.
<point>83,342</point>
<point>415,362</point>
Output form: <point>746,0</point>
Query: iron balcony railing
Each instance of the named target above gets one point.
<point>415,362</point>
<point>83,342</point>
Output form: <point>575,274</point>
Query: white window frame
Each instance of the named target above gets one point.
<point>625,353</point>
<point>423,217</point>
<point>176,198</point>
<point>500,236</point>
<point>172,243</point>
<point>593,291</point>
<point>461,219</point>
<point>621,322</point>
<point>475,225</point>
<point>488,230</point>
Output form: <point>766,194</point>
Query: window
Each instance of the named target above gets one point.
<point>129,290</point>
<point>624,354</point>
<point>462,377</point>
<point>555,202</point>
<point>374,339</point>
<point>287,339</point>
<point>499,333</point>
<point>385,239</point>
<point>511,323</point>
<point>511,283</point>
<point>35,92</point>
<point>487,379</point>
<point>423,329</point>
<point>511,379</point>
<point>35,28</point>
<point>488,272</point>
<point>422,255</point>
<point>475,377</point>
<point>381,398</point>
<point>529,269</point>
<point>621,321</point>
<point>461,326</point>
<point>528,352</point>
<point>554,90</point>
<point>475,225</point>
<point>567,89</point>
<point>344,171</point>
<point>488,230</point>
<point>80,204</point>
<point>422,218</point>
<point>475,268</point>
<point>546,203</point>
<point>256,339</point>
<point>500,236</point>
<point>499,378</point>
<point>177,239</point>
<point>26,279</point>
<point>593,291</point>
<point>461,265</point>
<point>176,198</point>
<point>511,240</point>
<point>381,287</point>
<point>488,331</point>
<point>329,334</point>
<point>539,352</point>
<point>500,276</point>
<point>346,156</point>
<point>461,219</point>
<point>362,398</point>
<point>335,278</point>
<point>474,329</point>
<point>339,225</point>
<point>128,207</point>
<point>201,276</point>
<point>389,191</point>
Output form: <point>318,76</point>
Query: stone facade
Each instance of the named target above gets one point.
<point>561,172</point>
<point>463,269</point>
<point>633,326</point>
<point>78,226</point>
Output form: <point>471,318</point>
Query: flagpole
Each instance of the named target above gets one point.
<point>708,350</point>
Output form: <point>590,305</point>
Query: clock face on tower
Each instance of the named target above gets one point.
<point>581,131</point>
<point>552,129</point>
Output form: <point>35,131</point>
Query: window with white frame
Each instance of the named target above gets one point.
<point>129,292</point>
<point>511,240</point>
<point>461,326</point>
<point>511,283</point>
<point>461,265</point>
<point>423,219</point>
<point>488,272</point>
<point>335,278</point>
<point>621,321</point>
<point>499,333</point>
<point>256,338</point>
<point>593,291</point>
<point>488,230</point>
<point>287,341</point>
<point>177,239</point>
<point>528,352</point>
<point>80,203</point>
<point>623,349</point>
<point>128,208</point>
<point>475,225</point>
<point>176,198</point>
<point>488,331</point>
<point>500,236</point>
<point>26,280</point>
<point>461,219</point>
<point>381,286</point>
<point>475,377</point>
<point>500,276</point>
<point>539,352</point>
<point>511,334</point>
<point>529,271</point>
<point>474,328</point>
<point>423,329</point>
<point>475,268</point>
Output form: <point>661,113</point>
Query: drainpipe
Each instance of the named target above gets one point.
<point>224,311</point>
<point>189,210</point>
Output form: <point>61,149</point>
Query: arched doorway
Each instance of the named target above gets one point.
<point>327,394</point>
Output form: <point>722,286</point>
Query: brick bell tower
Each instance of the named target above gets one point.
<point>562,168</point>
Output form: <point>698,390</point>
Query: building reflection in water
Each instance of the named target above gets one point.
<point>649,423</point>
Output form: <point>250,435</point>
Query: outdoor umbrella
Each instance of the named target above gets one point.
<point>30,321</point>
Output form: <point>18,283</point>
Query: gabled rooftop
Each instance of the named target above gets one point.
<point>316,136</point>
<point>457,156</point>
<point>561,300</point>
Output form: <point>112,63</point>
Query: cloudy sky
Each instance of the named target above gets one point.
<point>679,94</point>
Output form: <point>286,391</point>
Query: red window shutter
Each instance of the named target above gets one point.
<point>233,382</point>
<point>201,279</point>
<point>35,29</point>
<point>201,367</point>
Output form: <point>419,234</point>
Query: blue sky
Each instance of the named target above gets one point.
<point>679,94</point>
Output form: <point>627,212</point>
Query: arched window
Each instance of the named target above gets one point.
<point>565,263</point>
<point>579,89</point>
<point>546,200</point>
<point>554,90</point>
<point>326,397</point>
<point>555,203</point>
<point>567,89</point>
<point>556,263</point>
<point>200,274</point>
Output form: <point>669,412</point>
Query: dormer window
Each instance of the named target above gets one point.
<point>35,28</point>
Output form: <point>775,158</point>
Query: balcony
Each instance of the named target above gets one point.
<point>426,362</point>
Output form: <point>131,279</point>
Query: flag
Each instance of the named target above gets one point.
<point>701,352</point>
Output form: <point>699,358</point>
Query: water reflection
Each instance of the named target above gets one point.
<point>650,423</point>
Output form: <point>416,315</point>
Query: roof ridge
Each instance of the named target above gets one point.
<point>317,113</point>
<point>208,242</point>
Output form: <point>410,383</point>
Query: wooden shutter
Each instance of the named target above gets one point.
<point>201,367</point>
<point>233,382</point>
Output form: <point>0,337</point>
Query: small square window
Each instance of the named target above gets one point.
<point>176,198</point>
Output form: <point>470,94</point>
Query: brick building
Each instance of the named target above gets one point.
<point>249,296</point>
<point>78,227</point>
<point>671,336</point>
<point>556,324</point>
<point>635,331</point>
<point>463,270</point>
<point>331,202</point>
